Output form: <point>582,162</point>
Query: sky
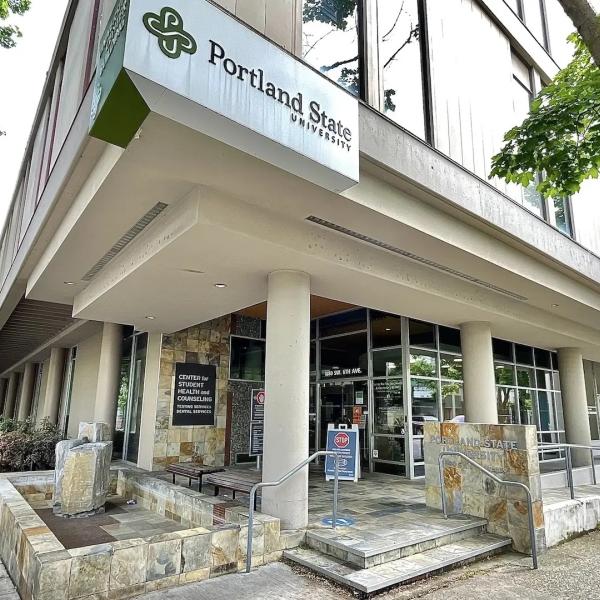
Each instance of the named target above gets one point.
<point>22,75</point>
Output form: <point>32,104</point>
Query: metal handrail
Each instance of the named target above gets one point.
<point>569,461</point>
<point>497,480</point>
<point>304,463</point>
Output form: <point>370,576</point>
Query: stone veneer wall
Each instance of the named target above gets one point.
<point>207,344</point>
<point>471,492</point>
<point>42,569</point>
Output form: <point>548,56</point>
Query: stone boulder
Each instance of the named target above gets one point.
<point>83,481</point>
<point>94,432</point>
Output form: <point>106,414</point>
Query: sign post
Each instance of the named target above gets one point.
<point>194,396</point>
<point>344,440</point>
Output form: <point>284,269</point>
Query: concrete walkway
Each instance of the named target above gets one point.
<point>568,572</point>
<point>7,589</point>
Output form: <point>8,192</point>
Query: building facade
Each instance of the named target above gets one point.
<point>296,193</point>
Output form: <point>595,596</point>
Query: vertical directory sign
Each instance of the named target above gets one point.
<point>257,418</point>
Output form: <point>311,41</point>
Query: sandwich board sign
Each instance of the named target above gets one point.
<point>344,440</point>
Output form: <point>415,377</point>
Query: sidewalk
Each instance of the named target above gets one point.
<point>567,572</point>
<point>7,589</point>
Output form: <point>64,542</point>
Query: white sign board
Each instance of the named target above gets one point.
<point>196,64</point>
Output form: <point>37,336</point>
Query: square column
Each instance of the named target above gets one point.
<point>26,392</point>
<point>11,396</point>
<point>575,409</point>
<point>478,373</point>
<point>286,402</point>
<point>52,392</point>
<point>3,387</point>
<point>107,388</point>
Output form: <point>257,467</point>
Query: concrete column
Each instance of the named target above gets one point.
<point>478,373</point>
<point>54,377</point>
<point>3,387</point>
<point>26,395</point>
<point>286,402</point>
<point>107,388</point>
<point>11,396</point>
<point>575,411</point>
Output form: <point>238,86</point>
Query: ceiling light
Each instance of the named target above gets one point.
<point>555,306</point>
<point>388,328</point>
<point>69,282</point>
<point>150,317</point>
<point>220,285</point>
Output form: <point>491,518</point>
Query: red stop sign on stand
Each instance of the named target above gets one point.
<point>341,439</point>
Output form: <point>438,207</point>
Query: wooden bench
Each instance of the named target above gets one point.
<point>235,480</point>
<point>192,471</point>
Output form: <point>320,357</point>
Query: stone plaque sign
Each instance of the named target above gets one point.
<point>194,396</point>
<point>507,451</point>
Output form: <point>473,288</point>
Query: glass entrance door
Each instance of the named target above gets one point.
<point>346,402</point>
<point>129,401</point>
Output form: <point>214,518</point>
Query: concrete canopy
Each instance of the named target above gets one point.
<point>232,219</point>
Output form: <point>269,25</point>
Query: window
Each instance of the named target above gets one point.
<point>344,356</point>
<point>560,215</point>
<point>522,97</point>
<point>400,36</point>
<point>528,391</point>
<point>516,7</point>
<point>247,359</point>
<point>346,322</point>
<point>330,40</point>
<point>385,330</point>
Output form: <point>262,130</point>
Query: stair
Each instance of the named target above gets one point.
<point>370,560</point>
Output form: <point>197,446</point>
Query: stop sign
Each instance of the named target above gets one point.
<point>341,439</point>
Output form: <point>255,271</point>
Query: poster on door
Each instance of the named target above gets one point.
<point>344,440</point>
<point>194,395</point>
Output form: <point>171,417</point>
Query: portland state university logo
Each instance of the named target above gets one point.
<point>167,26</point>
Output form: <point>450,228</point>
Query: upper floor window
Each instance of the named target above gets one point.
<point>516,6</point>
<point>330,40</point>
<point>400,35</point>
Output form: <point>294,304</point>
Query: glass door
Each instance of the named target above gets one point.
<point>130,398</point>
<point>346,402</point>
<point>135,401</point>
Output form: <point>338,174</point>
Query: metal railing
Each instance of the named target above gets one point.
<point>497,480</point>
<point>569,461</point>
<point>257,486</point>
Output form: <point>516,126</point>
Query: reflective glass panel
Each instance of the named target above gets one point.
<point>344,356</point>
<point>504,374</point>
<point>401,74</point>
<point>247,359</point>
<point>502,350</point>
<point>389,406</point>
<point>330,40</point>
<point>451,367</point>
<point>354,320</point>
<point>449,339</point>
<point>387,363</point>
<point>423,363</point>
<point>385,329</point>
<point>544,379</point>
<point>507,405</point>
<point>526,402</point>
<point>542,358</point>
<point>390,448</point>
<point>422,334</point>
<point>525,377</point>
<point>424,402</point>
<point>524,354</point>
<point>452,400</point>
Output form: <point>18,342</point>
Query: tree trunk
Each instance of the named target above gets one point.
<point>587,22</point>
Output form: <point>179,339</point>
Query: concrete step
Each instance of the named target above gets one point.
<point>366,548</point>
<point>400,571</point>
